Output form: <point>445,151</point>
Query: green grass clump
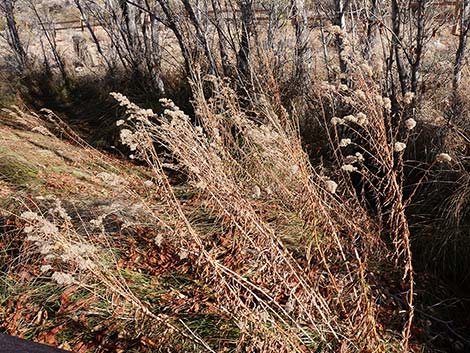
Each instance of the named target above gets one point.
<point>16,170</point>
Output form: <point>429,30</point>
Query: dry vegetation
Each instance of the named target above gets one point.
<point>235,176</point>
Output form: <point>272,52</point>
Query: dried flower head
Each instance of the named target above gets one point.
<point>63,278</point>
<point>348,168</point>
<point>361,119</point>
<point>360,94</point>
<point>201,185</point>
<point>399,146</point>
<point>345,142</point>
<point>60,210</point>
<point>379,100</point>
<point>350,159</point>
<point>331,186</point>
<point>269,191</point>
<point>48,228</point>
<point>45,268</point>
<point>158,240</point>
<point>387,104</point>
<point>256,192</point>
<point>295,169</point>
<point>97,223</point>
<point>443,157</point>
<point>31,216</point>
<point>28,229</point>
<point>359,156</point>
<point>128,138</point>
<point>410,123</point>
<point>148,183</point>
<point>199,130</point>
<point>335,120</point>
<point>350,119</point>
<point>408,98</point>
<point>183,254</point>
<point>366,69</point>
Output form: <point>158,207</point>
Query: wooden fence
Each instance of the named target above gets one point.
<point>261,16</point>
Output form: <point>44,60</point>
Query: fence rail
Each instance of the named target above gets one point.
<point>260,16</point>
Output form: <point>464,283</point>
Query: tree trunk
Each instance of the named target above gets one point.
<point>395,49</point>
<point>340,21</point>
<point>50,35</point>
<point>460,54</point>
<point>156,54</point>
<point>172,24</point>
<point>200,36</point>
<point>416,65</point>
<point>13,37</point>
<point>302,59</point>
<point>371,29</point>
<point>92,33</point>
<point>226,67</point>
<point>247,27</point>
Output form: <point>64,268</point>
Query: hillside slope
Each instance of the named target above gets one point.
<point>99,254</point>
<point>94,199</point>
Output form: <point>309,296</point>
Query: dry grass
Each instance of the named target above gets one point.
<point>261,250</point>
<point>318,292</point>
<point>275,262</point>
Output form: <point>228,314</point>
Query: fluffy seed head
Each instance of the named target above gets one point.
<point>62,278</point>
<point>408,98</point>
<point>399,146</point>
<point>335,120</point>
<point>410,123</point>
<point>359,156</point>
<point>45,268</point>
<point>345,142</point>
<point>362,119</point>
<point>256,192</point>
<point>348,168</point>
<point>387,103</point>
<point>443,157</point>
<point>148,183</point>
<point>331,186</point>
<point>360,94</point>
<point>350,119</point>
<point>350,159</point>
